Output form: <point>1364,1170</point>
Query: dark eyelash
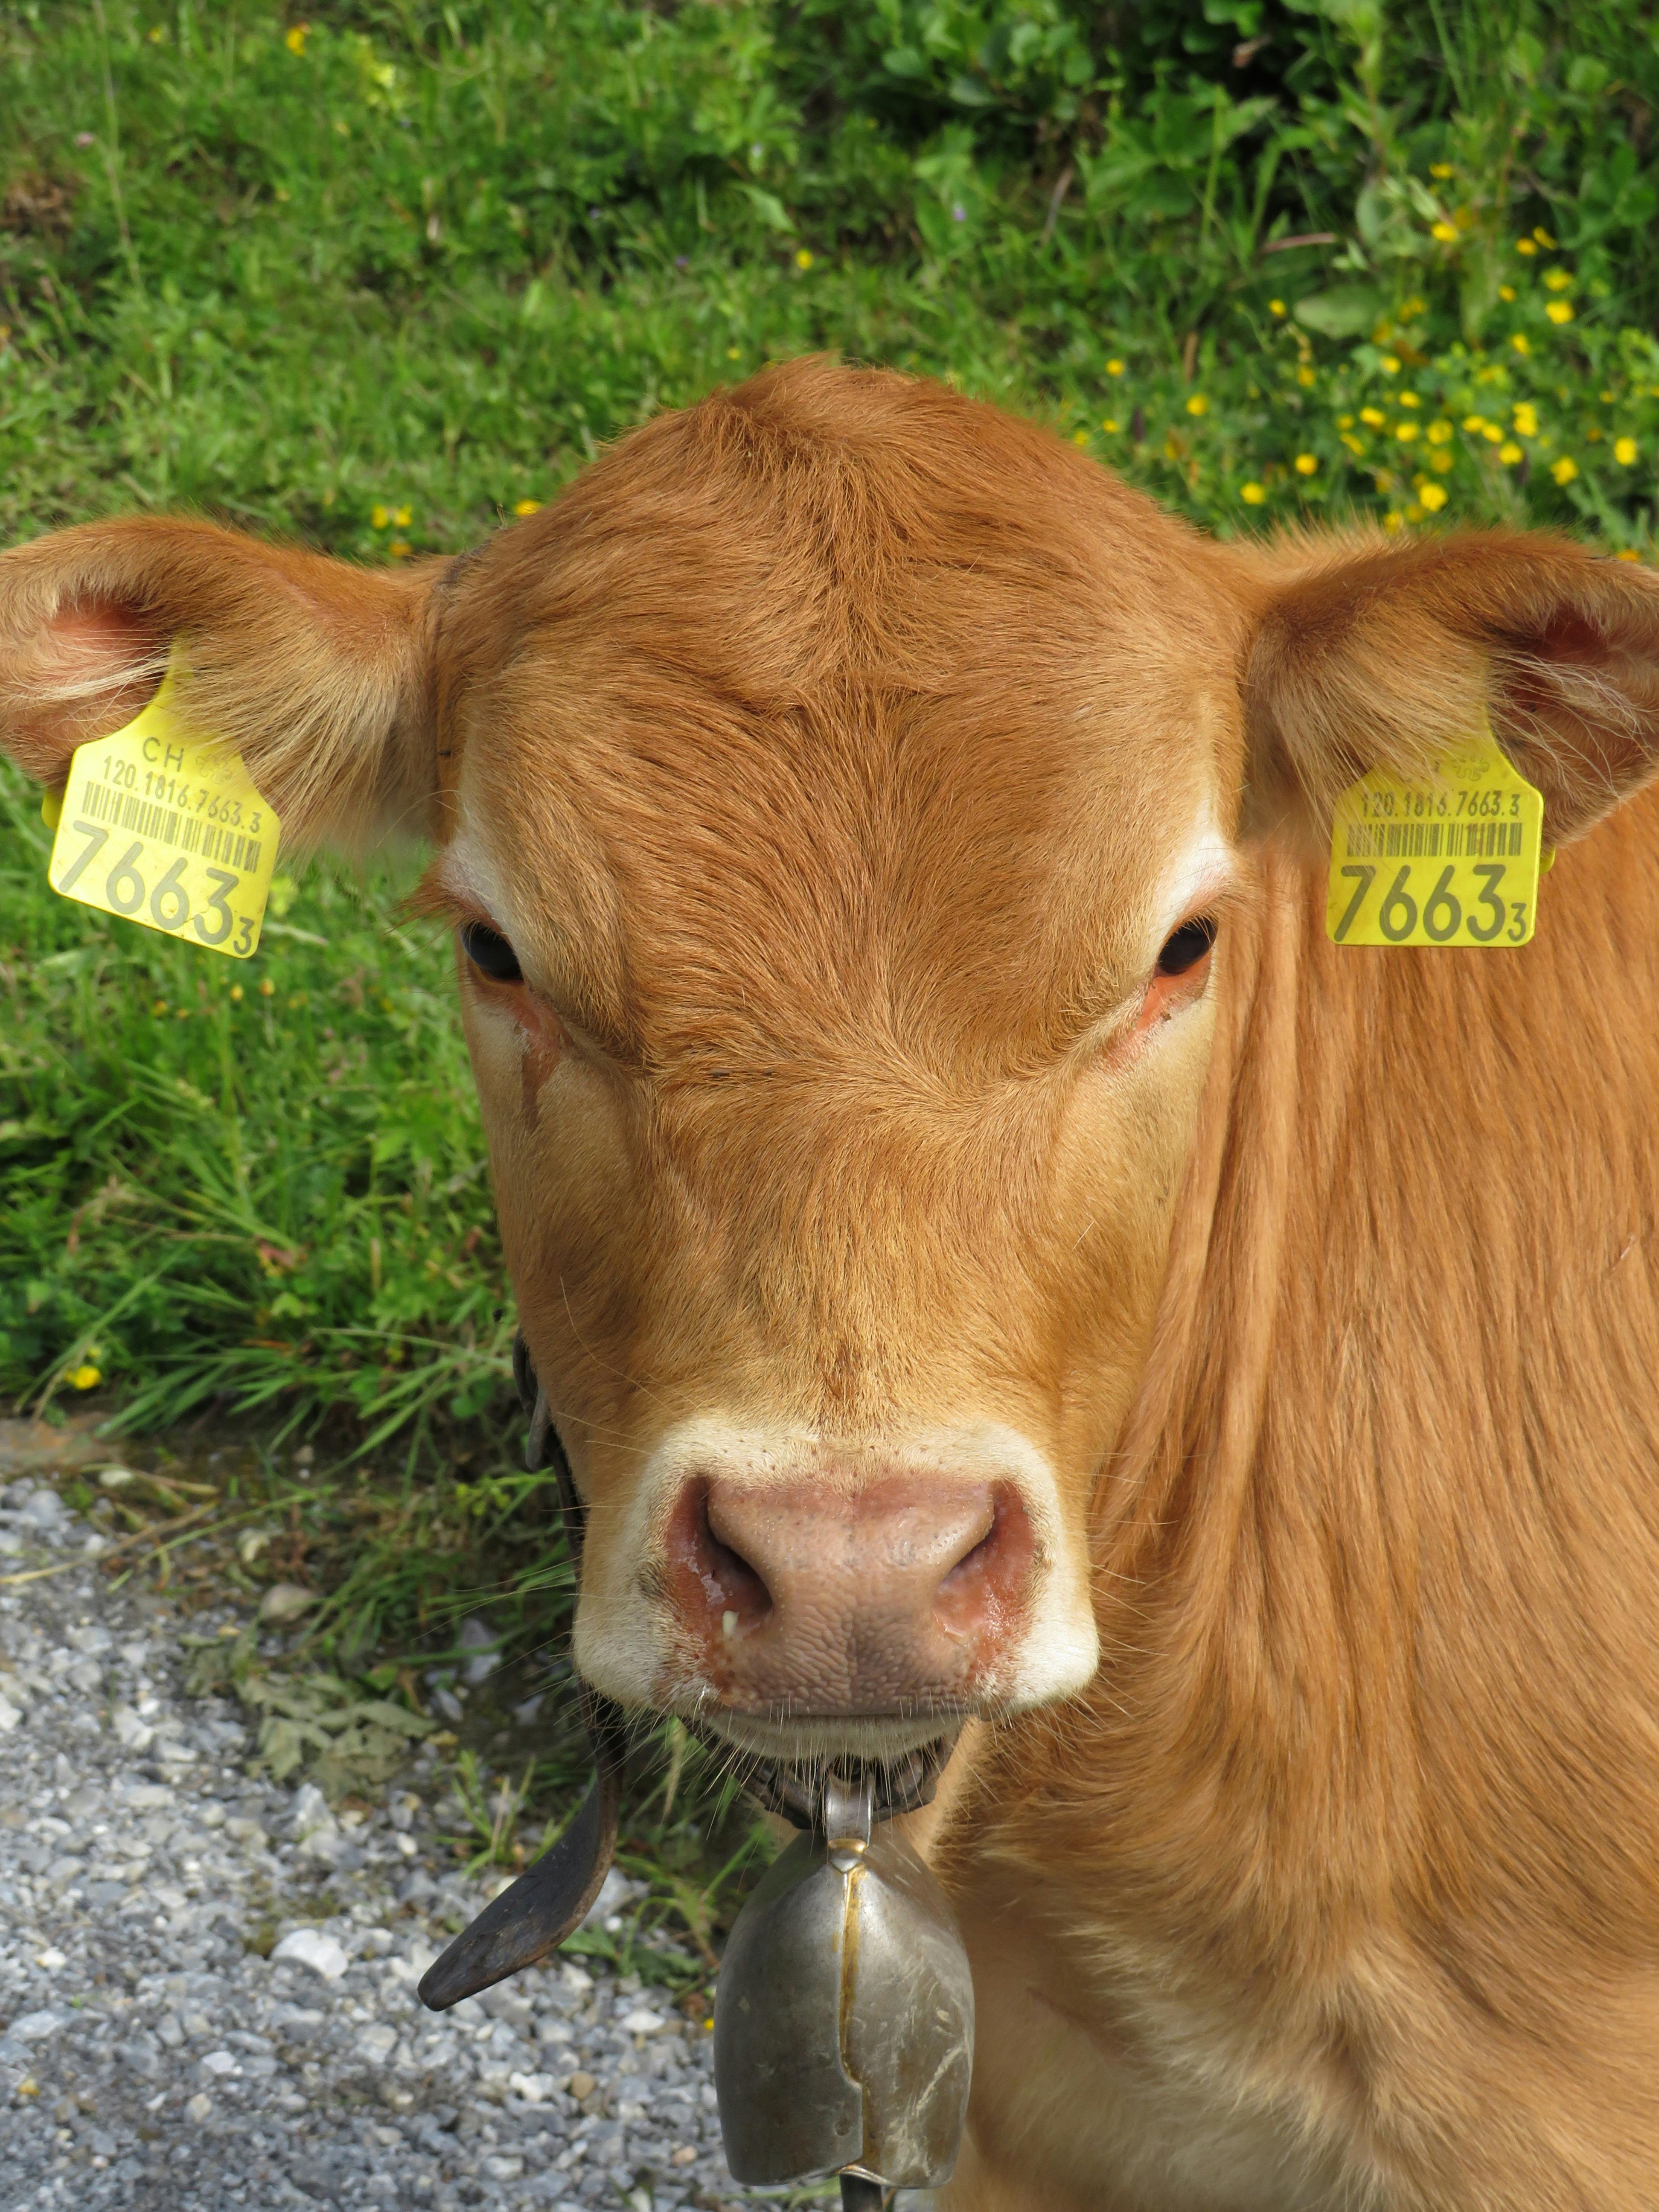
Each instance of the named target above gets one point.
<point>1186,946</point>
<point>490,953</point>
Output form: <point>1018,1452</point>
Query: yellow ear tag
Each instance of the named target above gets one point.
<point>165,830</point>
<point>1452,860</point>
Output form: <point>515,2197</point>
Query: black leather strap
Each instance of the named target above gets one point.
<point>534,1915</point>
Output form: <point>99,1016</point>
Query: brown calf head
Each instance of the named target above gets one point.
<point>836,794</point>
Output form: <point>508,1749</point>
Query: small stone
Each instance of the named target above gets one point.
<point>200,2107</point>
<point>308,1947</point>
<point>483,1646</point>
<point>685,2155</point>
<point>10,1716</point>
<point>217,2062</point>
<point>133,1734</point>
<point>534,2089</point>
<point>642,2023</point>
<point>35,2027</point>
<point>377,2043</point>
<point>580,2087</point>
<point>285,1601</point>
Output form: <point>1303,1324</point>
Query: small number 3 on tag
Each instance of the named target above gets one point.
<point>165,830</point>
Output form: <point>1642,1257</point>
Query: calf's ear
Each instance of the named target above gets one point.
<point>1370,653</point>
<point>318,673</point>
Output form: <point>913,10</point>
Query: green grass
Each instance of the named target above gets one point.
<point>375,275</point>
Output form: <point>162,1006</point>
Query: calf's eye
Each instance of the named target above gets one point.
<point>490,953</point>
<point>1186,946</point>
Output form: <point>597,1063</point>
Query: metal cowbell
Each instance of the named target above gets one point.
<point>844,2016</point>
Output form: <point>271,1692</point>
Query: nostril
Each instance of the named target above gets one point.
<point>731,1584</point>
<point>986,1584</point>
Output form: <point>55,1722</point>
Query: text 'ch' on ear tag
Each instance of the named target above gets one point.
<point>167,830</point>
<point>1452,858</point>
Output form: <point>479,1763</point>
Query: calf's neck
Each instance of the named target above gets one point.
<point>995,1266</point>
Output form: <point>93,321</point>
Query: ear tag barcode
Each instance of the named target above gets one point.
<point>1452,860</point>
<point>164,830</point>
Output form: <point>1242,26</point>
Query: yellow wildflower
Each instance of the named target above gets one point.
<point>1305,464</point>
<point>84,1378</point>
<point>803,259</point>
<point>1114,369</point>
<point>266,988</point>
<point>1354,445</point>
<point>1626,553</point>
<point>1374,416</point>
<point>1440,462</point>
<point>1433,496</point>
<point>1521,342</point>
<point>1565,469</point>
<point>1510,452</point>
<point>295,39</point>
<point>1274,307</point>
<point>379,517</point>
<point>1441,170</point>
<point>1306,375</point>
<point>1388,365</point>
<point>1560,311</point>
<point>1413,307</point>
<point>1438,433</point>
<point>1409,399</point>
<point>1624,451</point>
<point>1198,404</point>
<point>235,994</point>
<point>1079,437</point>
<point>403,517</point>
<point>1253,493</point>
<point>1506,291</point>
<point>1405,431</point>
<point>1393,518</point>
<point>1526,419</point>
<point>1108,422</point>
<point>1446,233</point>
<point>1558,280</point>
<point>1474,424</point>
<point>1491,433</point>
<point>1525,245</point>
<point>398,547</point>
<point>1544,238</point>
<point>1414,512</point>
<point>527,507</point>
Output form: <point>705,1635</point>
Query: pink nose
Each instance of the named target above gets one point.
<point>902,1594</point>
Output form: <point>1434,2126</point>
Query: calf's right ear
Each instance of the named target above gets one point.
<point>1368,653</point>
<point>318,673</point>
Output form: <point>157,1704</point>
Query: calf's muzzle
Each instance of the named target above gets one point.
<point>809,1598</point>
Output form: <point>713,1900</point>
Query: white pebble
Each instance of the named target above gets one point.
<point>306,1946</point>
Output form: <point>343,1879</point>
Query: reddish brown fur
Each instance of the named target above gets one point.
<point>830,740</point>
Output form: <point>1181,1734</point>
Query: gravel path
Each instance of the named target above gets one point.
<point>150,2057</point>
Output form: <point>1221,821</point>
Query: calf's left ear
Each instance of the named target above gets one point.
<point>318,673</point>
<point>1370,654</point>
